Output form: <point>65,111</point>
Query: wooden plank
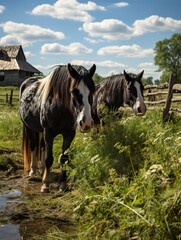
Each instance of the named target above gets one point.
<point>176,88</point>
<point>154,94</point>
<point>166,115</point>
<point>161,86</point>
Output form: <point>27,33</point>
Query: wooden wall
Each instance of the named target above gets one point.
<point>14,77</point>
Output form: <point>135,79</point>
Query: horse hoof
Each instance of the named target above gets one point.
<point>62,187</point>
<point>31,173</point>
<point>45,190</point>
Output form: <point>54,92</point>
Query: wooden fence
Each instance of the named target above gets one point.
<point>9,98</point>
<point>167,94</point>
<point>164,94</point>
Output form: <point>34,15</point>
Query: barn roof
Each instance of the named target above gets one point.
<point>12,50</point>
<point>12,58</point>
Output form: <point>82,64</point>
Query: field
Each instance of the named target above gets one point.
<point>124,182</point>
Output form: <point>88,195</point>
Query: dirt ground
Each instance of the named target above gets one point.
<point>19,189</point>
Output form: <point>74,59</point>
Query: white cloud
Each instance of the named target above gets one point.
<point>91,40</point>
<point>131,51</point>
<point>150,69</point>
<point>114,29</point>
<point>147,65</point>
<point>155,24</point>
<point>72,49</point>
<point>90,6</point>
<point>69,9</point>
<point>25,34</point>
<point>2,8</point>
<point>120,4</point>
<point>29,54</point>
<point>111,29</point>
<point>102,64</point>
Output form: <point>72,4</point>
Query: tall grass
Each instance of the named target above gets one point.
<point>131,176</point>
<point>10,127</point>
<point>125,180</point>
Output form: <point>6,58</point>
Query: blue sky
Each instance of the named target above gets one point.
<point>114,35</point>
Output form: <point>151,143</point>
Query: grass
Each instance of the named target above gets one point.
<point>125,180</point>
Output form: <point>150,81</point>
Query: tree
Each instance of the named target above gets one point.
<point>168,55</point>
<point>97,78</point>
<point>157,81</point>
<point>165,76</point>
<point>148,81</point>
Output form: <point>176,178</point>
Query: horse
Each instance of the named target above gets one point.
<point>56,104</point>
<point>117,90</point>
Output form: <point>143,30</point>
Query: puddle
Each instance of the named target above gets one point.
<point>29,229</point>
<point>9,231</point>
<point>9,197</point>
<point>26,229</point>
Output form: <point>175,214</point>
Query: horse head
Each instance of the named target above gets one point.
<point>82,90</point>
<point>135,92</point>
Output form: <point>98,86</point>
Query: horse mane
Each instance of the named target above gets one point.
<point>56,85</point>
<point>115,86</point>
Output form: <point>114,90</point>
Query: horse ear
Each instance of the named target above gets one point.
<point>126,75</point>
<point>140,75</point>
<point>92,70</point>
<point>73,73</point>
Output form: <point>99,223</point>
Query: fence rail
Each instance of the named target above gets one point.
<point>9,98</point>
<point>154,95</point>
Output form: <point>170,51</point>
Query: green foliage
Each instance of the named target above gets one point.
<point>165,77</point>
<point>168,55</point>
<point>125,180</point>
<point>148,81</point>
<point>131,176</point>
<point>97,78</point>
<point>118,146</point>
<point>10,128</point>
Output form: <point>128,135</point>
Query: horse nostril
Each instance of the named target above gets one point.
<point>139,110</point>
<point>87,128</point>
<point>81,123</point>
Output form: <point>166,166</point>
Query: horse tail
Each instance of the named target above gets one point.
<point>26,151</point>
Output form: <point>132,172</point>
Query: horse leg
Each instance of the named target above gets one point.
<point>48,138</point>
<point>64,159</point>
<point>33,138</point>
<point>42,156</point>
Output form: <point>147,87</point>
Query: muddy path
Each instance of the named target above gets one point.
<point>27,214</point>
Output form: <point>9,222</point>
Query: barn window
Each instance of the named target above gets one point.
<point>1,76</point>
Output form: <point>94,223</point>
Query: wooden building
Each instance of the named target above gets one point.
<point>14,68</point>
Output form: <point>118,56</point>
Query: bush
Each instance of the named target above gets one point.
<point>131,176</point>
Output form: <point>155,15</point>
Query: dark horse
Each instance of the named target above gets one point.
<point>116,90</point>
<point>54,105</point>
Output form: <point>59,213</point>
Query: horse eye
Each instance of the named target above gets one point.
<point>90,99</point>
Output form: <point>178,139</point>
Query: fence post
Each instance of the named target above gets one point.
<point>166,115</point>
<point>6,97</point>
<point>11,98</point>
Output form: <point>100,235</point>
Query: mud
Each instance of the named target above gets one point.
<point>17,221</point>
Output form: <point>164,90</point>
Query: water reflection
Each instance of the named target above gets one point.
<point>27,229</point>
<point>9,231</point>
<point>8,197</point>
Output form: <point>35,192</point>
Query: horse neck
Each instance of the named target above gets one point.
<point>57,86</point>
<point>126,95</point>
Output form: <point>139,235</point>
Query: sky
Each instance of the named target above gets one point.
<point>114,35</point>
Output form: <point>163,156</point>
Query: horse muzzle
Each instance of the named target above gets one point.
<point>140,111</point>
<point>86,125</point>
